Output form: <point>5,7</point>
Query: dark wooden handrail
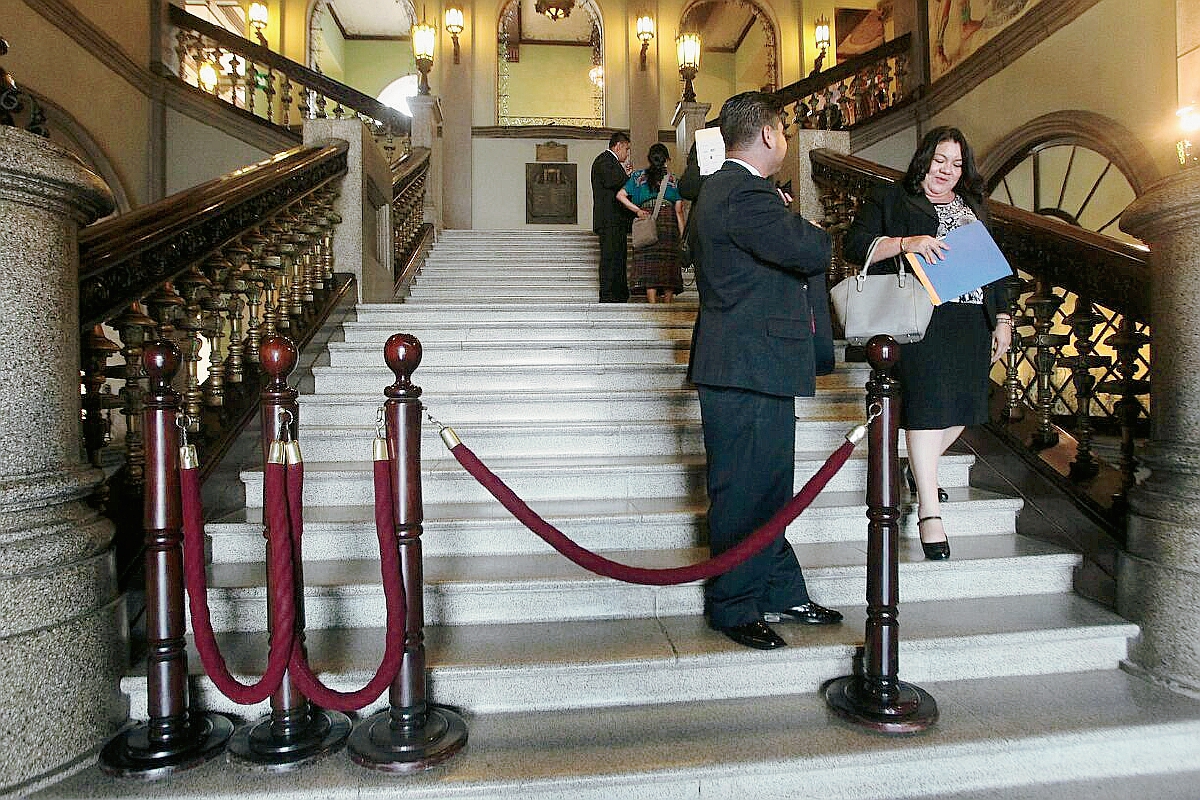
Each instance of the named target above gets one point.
<point>349,97</point>
<point>1110,272</point>
<point>123,258</point>
<point>818,82</point>
<point>408,165</point>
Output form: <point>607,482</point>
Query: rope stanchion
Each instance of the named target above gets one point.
<point>295,733</point>
<point>875,697</point>
<point>412,734</point>
<point>747,548</point>
<point>393,590</point>
<point>176,737</point>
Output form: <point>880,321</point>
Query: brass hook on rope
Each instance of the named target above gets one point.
<point>188,457</point>
<point>449,437</point>
<point>857,434</point>
<point>379,448</point>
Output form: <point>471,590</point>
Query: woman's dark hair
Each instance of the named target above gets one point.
<point>970,183</point>
<point>658,158</point>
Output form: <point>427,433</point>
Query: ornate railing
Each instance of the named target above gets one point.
<point>1080,361</point>
<point>14,101</point>
<point>856,90</point>
<point>412,236</point>
<point>215,269</point>
<point>269,87</point>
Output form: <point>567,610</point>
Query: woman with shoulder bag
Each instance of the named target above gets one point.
<point>655,268</point>
<point>944,377</point>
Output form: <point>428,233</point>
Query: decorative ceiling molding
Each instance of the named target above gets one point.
<point>64,16</point>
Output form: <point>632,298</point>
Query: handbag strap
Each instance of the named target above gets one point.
<point>862,273</point>
<point>662,190</point>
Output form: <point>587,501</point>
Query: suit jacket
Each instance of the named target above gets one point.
<point>892,211</point>
<point>760,271</point>
<point>607,177</point>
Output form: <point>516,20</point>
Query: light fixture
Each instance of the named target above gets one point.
<point>454,26</point>
<point>821,37</point>
<point>688,47</point>
<point>554,9</point>
<point>207,76</point>
<point>258,20</point>
<point>645,32</point>
<point>423,37</point>
<point>596,76</point>
<point>1189,126</point>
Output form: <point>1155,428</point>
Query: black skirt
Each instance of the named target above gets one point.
<point>944,377</point>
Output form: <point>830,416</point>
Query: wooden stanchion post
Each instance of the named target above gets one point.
<point>296,732</point>
<point>411,735</point>
<point>875,697</point>
<point>175,738</point>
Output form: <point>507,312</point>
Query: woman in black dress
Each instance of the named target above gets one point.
<point>944,377</point>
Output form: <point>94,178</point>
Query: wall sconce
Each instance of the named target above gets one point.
<point>1189,124</point>
<point>645,32</point>
<point>688,47</point>
<point>423,37</point>
<point>207,77</point>
<point>258,21</point>
<point>454,26</point>
<point>821,37</point>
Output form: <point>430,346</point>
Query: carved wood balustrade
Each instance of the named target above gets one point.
<point>215,269</point>
<point>412,235</point>
<point>260,82</point>
<point>1080,360</point>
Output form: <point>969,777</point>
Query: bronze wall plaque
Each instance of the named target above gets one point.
<point>551,151</point>
<point>550,194</point>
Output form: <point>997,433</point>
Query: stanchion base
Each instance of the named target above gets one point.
<point>375,744</point>
<point>913,711</point>
<point>255,746</point>
<point>130,754</point>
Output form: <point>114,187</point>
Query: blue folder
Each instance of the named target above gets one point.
<point>974,260</point>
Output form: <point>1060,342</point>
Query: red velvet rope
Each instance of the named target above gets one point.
<point>393,591</point>
<point>283,601</point>
<point>750,546</point>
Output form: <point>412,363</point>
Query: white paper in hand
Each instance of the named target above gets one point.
<point>710,150</point>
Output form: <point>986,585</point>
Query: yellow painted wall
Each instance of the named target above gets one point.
<point>551,81</point>
<point>127,23</point>
<point>1188,50</point>
<point>371,65</point>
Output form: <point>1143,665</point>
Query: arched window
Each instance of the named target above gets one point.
<point>740,45</point>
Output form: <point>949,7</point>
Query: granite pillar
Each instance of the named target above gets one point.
<point>362,241</point>
<point>797,168</point>
<point>426,132</point>
<point>688,118</point>
<point>61,631</point>
<point>1158,581</point>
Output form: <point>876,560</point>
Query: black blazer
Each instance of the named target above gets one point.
<point>608,176</point>
<point>893,211</point>
<point>760,271</point>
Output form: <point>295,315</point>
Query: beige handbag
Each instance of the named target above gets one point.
<point>867,305</point>
<point>645,231</point>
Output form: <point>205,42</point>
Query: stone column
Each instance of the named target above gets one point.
<point>688,118</point>
<point>426,122</point>
<point>1158,579</point>
<point>61,631</point>
<point>362,242</point>
<point>797,168</point>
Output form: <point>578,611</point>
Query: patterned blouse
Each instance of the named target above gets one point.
<point>639,191</point>
<point>953,215</point>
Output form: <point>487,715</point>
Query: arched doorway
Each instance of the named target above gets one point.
<point>740,44</point>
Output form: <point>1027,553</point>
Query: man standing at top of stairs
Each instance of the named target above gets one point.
<point>610,220</point>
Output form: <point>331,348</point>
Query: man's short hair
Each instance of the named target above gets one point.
<point>617,138</point>
<point>744,115</point>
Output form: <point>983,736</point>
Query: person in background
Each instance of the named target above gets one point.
<point>655,268</point>
<point>762,329</point>
<point>943,377</point>
<point>610,220</point>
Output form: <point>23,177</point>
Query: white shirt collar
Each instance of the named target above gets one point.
<point>753,170</point>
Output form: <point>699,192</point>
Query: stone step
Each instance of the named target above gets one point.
<point>604,377</point>
<point>583,313</point>
<point>486,528</point>
<point>550,353</point>
<point>463,590</point>
<point>1091,735</point>
<point>678,660</point>
<point>461,272</point>
<point>521,292</point>
<point>451,333</point>
<point>562,478</point>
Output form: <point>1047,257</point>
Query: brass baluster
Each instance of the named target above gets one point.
<point>285,100</point>
<point>269,91</point>
<point>1127,342</point>
<point>236,286</point>
<point>1082,321</point>
<point>97,350</point>
<point>166,306</point>
<point>195,286</point>
<point>234,63</point>
<point>214,305</point>
<point>250,85</point>
<point>1044,303</point>
<point>1014,390</point>
<point>134,326</point>
<point>304,95</point>
<point>275,317</point>
<point>258,280</point>
<point>321,106</point>
<point>291,301</point>
<point>181,51</point>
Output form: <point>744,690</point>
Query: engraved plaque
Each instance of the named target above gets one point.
<point>551,151</point>
<point>550,194</point>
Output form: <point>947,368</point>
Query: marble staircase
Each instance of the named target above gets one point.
<point>578,686</point>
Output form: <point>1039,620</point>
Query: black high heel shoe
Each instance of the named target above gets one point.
<point>934,551</point>
<point>912,485</point>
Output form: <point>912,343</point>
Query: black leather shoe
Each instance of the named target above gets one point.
<point>912,485</point>
<point>934,551</point>
<point>757,634</point>
<point>810,614</point>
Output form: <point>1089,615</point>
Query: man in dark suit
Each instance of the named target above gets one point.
<point>610,219</point>
<point>762,332</point>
